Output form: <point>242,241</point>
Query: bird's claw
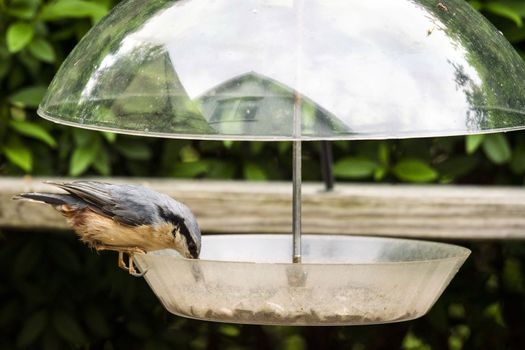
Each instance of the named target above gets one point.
<point>137,274</point>
<point>130,267</point>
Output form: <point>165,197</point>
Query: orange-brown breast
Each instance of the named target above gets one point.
<point>96,230</point>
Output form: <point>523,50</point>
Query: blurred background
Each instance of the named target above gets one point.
<point>57,294</point>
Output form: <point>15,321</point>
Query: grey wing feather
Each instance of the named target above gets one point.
<point>128,204</point>
<point>93,192</point>
<point>52,198</point>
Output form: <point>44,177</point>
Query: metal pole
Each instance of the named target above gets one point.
<point>327,165</point>
<point>297,131</point>
<point>296,226</point>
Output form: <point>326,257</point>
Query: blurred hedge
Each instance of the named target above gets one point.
<point>57,294</point>
<point>36,35</point>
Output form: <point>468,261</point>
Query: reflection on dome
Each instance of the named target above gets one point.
<point>255,105</point>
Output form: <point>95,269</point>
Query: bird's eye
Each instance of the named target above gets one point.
<point>175,231</point>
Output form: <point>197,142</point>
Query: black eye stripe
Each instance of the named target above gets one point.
<point>179,226</point>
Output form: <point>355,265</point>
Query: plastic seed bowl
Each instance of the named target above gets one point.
<point>342,280</point>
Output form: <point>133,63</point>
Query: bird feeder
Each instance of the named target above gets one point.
<point>294,70</point>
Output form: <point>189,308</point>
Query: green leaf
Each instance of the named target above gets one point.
<point>229,330</point>
<point>472,142</point>
<point>189,154</point>
<point>254,172</point>
<point>33,130</point>
<point>379,174</point>
<point>28,97</point>
<point>110,137</point>
<point>82,159</point>
<point>494,312</point>
<point>414,170</point>
<point>42,50</point>
<point>17,113</point>
<point>383,153</point>
<point>190,169</point>
<point>22,10</point>
<point>355,167</point>
<point>456,310</point>
<point>517,162</point>
<point>412,342</point>
<point>72,9</point>
<point>228,144</point>
<point>497,148</point>
<point>84,137</point>
<point>19,154</point>
<point>135,149</point>
<point>68,328</point>
<point>102,162</point>
<point>220,169</point>
<point>33,328</point>
<point>19,34</point>
<point>517,6</point>
<point>256,147</point>
<point>475,4</point>
<point>283,147</point>
<point>457,166</point>
<point>501,9</point>
<point>294,342</point>
<point>31,65</point>
<point>513,276</point>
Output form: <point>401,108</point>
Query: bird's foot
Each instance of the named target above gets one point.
<point>130,267</point>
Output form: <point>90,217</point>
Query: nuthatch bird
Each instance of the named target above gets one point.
<point>128,219</point>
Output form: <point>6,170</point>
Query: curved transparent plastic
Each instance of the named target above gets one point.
<point>291,70</point>
<point>343,280</point>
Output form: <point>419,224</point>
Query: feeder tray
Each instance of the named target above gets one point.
<point>294,70</point>
<point>342,280</point>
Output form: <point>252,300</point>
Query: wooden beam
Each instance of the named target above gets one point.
<point>436,211</point>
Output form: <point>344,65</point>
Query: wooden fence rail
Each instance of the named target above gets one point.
<point>436,211</point>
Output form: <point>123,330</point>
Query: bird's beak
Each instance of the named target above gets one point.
<point>191,256</point>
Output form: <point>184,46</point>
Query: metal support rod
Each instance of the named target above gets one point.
<point>297,133</point>
<point>327,161</point>
<point>297,179</point>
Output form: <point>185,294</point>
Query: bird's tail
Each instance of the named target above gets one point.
<point>48,198</point>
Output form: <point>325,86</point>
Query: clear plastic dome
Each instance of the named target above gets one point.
<point>291,70</point>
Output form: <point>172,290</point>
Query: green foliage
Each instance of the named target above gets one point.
<point>355,168</point>
<point>497,148</point>
<point>415,170</point>
<point>472,142</point>
<point>34,130</point>
<point>19,34</point>
<point>42,50</point>
<point>506,9</point>
<point>62,9</point>
<point>59,294</point>
<point>28,97</point>
<point>18,153</point>
<point>38,34</point>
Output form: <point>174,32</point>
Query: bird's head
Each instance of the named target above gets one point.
<point>185,230</point>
